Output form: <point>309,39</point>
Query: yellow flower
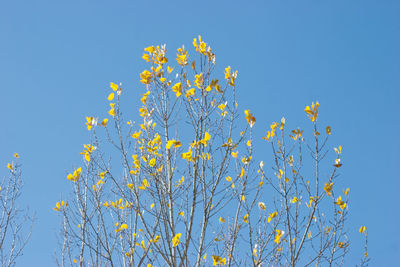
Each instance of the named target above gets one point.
<point>136,135</point>
<point>328,188</point>
<point>75,175</point>
<point>312,112</point>
<point>261,205</point>
<point>182,213</point>
<point>245,218</point>
<point>221,220</point>
<point>217,260</point>
<point>16,155</point>
<point>278,236</point>
<point>175,239</point>
<point>362,229</point>
<point>177,89</point>
<point>235,154</point>
<point>250,118</point>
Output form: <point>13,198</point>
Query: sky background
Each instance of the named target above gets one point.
<point>57,59</point>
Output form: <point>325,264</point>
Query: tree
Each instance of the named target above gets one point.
<point>13,219</point>
<point>183,186</point>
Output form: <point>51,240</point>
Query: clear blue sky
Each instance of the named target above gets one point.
<point>58,57</point>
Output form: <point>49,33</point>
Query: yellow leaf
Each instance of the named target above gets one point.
<point>110,97</point>
<point>175,240</point>
<point>242,173</point>
<point>245,218</point>
<point>114,86</point>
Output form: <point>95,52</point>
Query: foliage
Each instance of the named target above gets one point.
<point>182,187</point>
<point>13,220</point>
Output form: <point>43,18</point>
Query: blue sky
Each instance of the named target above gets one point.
<point>58,57</point>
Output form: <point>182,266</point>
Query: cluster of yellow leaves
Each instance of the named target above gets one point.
<point>296,134</point>
<point>271,133</point>
<point>112,109</point>
<point>136,165</point>
<point>144,184</point>
<point>120,227</point>
<point>229,179</point>
<point>341,203</point>
<point>118,204</point>
<point>328,188</point>
<point>116,88</point>
<point>204,141</point>
<point>146,76</point>
<point>182,56</point>
<point>312,112</point>
<point>176,239</point>
<point>217,260</point>
<point>181,181</point>
<point>204,48</point>
<point>177,89</point>
<point>144,97</point>
<point>99,184</point>
<point>230,76</point>
<point>90,122</point>
<point>250,118</point>
<point>271,216</point>
<point>278,236</point>
<point>294,200</point>
<point>87,152</point>
<point>188,155</point>
<point>155,55</point>
<point>75,175</point>
<point>59,205</point>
